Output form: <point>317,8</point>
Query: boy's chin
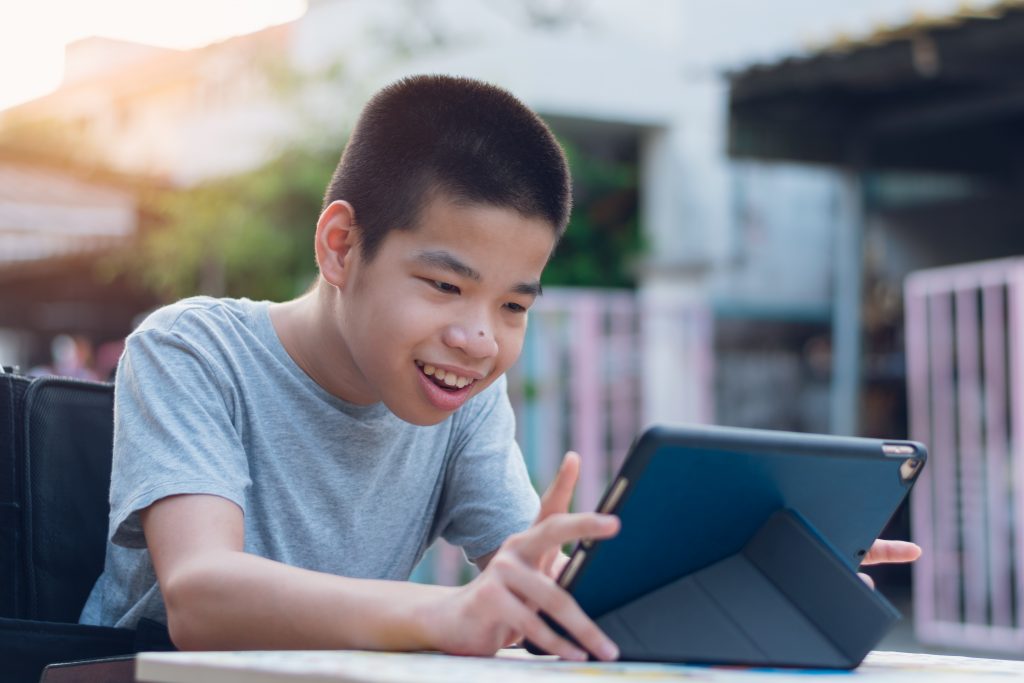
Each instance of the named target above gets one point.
<point>424,417</point>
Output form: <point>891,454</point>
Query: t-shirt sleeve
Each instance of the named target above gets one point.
<point>174,430</point>
<point>488,495</point>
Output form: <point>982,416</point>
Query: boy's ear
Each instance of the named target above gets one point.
<point>336,237</point>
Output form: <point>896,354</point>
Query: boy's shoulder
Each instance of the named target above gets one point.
<point>199,311</point>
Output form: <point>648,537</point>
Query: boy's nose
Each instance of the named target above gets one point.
<point>476,341</point>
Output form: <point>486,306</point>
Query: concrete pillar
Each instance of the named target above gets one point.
<point>846,308</point>
<point>675,315</point>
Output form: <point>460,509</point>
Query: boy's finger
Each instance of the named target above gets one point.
<point>557,530</point>
<point>560,606</point>
<point>892,551</point>
<point>558,563</point>
<point>525,621</point>
<point>541,635</point>
<point>559,494</point>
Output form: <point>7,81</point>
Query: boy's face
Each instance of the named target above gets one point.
<point>440,311</point>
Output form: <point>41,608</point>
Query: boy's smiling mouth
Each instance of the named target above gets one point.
<point>444,389</point>
<point>445,379</point>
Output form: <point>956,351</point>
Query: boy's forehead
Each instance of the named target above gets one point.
<point>442,210</point>
<point>451,231</point>
<point>480,222</point>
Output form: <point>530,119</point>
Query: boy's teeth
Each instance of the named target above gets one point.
<point>449,378</point>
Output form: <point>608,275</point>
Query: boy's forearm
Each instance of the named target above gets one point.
<point>233,600</point>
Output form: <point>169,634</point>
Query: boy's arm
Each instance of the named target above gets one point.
<point>219,597</point>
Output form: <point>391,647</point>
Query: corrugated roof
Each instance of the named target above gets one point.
<point>45,213</point>
<point>940,93</point>
<point>921,24</point>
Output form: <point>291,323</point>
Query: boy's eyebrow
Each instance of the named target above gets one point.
<point>447,261</point>
<point>528,288</point>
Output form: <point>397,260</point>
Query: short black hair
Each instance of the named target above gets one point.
<point>473,142</point>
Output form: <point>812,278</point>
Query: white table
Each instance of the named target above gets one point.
<point>516,665</point>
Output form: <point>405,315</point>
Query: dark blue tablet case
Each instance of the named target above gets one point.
<point>740,547</point>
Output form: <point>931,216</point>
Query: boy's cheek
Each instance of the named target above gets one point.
<point>517,348</point>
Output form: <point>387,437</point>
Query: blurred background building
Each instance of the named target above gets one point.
<point>924,123</point>
<point>755,182</point>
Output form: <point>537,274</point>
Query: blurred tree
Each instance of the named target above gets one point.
<point>244,235</point>
<point>602,245</point>
<point>62,145</point>
<point>248,234</point>
<point>252,234</point>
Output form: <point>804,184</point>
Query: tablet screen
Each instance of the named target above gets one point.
<point>696,496</point>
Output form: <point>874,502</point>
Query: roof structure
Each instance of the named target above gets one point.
<point>46,213</point>
<point>939,93</point>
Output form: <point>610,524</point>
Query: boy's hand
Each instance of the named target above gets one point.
<point>501,605</point>
<point>556,501</point>
<point>888,552</point>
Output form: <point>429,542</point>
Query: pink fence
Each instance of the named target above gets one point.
<point>965,330</point>
<point>579,385</point>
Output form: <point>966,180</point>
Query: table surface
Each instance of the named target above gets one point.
<point>517,665</point>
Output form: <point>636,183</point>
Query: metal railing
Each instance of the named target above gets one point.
<point>965,351</point>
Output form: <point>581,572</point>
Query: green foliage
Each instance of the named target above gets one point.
<point>252,234</point>
<point>602,243</point>
<point>245,235</point>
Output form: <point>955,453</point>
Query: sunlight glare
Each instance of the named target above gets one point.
<point>33,34</point>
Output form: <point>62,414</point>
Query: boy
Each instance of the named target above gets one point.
<point>279,469</point>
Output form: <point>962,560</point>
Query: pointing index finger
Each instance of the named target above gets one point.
<point>560,529</point>
<point>558,495</point>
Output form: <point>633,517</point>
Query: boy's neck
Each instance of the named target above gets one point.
<point>308,329</point>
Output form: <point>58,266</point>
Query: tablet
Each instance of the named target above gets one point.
<point>691,496</point>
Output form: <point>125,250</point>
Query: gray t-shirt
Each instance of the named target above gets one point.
<point>208,401</point>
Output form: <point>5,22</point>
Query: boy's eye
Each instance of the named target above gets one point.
<point>515,308</point>
<point>445,287</point>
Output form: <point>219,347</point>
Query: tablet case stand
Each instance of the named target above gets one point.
<point>786,599</point>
